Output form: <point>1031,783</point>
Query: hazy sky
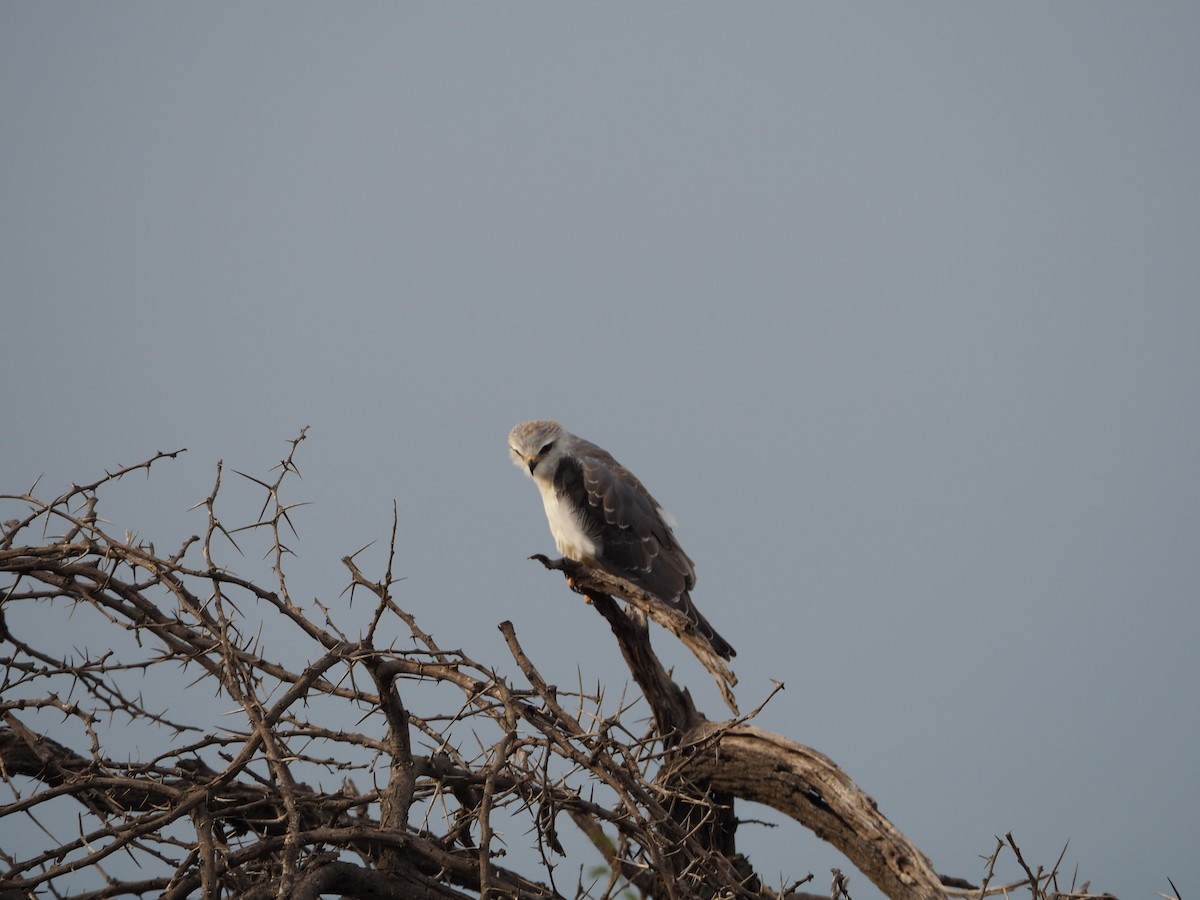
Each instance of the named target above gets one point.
<point>894,306</point>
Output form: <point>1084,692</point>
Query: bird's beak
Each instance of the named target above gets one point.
<point>532,463</point>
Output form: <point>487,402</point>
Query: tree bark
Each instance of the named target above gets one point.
<point>810,788</point>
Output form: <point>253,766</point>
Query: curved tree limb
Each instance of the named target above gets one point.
<point>810,788</point>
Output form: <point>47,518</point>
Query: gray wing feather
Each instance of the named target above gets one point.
<point>635,541</point>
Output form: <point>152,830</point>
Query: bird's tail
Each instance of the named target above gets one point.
<point>720,646</point>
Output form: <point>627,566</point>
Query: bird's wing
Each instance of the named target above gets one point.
<point>636,542</point>
<point>634,538</point>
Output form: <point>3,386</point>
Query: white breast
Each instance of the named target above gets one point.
<point>570,538</point>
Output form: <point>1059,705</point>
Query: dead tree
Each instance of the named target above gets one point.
<point>419,785</point>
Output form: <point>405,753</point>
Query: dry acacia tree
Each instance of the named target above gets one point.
<point>424,790</point>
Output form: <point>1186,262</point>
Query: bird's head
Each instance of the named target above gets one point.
<point>534,445</point>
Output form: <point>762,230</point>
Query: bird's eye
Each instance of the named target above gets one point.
<point>546,449</point>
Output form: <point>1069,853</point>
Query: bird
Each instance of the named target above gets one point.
<point>602,516</point>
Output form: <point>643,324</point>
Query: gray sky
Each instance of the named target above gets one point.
<point>894,306</point>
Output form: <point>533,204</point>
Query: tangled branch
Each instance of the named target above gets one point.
<point>452,757</point>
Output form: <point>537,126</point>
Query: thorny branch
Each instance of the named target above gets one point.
<point>348,767</point>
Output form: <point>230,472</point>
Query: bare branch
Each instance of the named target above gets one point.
<point>474,784</point>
